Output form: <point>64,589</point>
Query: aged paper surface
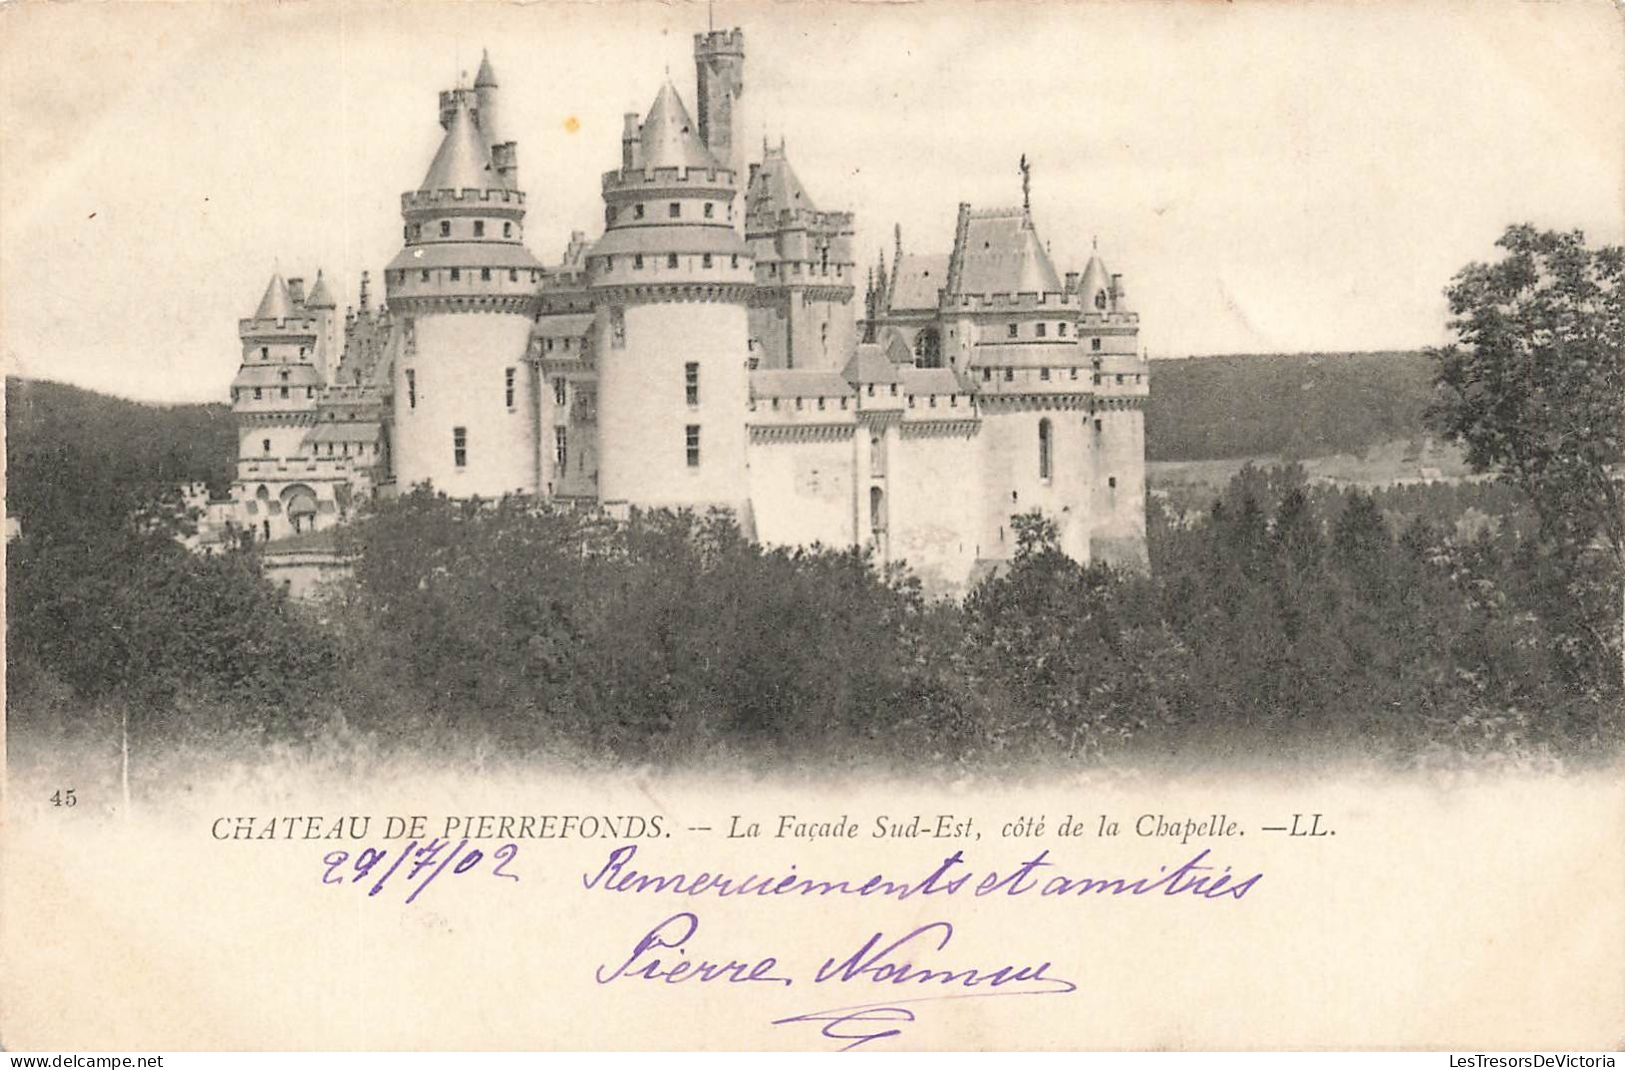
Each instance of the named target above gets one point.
<point>242,892</point>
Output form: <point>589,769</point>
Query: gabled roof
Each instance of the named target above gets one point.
<point>775,188</point>
<point>668,137</point>
<point>930,381</point>
<point>463,161</point>
<point>277,304</point>
<point>918,280</point>
<point>1001,253</point>
<point>320,295</point>
<point>869,365</point>
<point>798,383</point>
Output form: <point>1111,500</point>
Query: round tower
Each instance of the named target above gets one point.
<point>673,278</point>
<point>464,288</point>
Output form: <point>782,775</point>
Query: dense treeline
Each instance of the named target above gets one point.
<point>1290,622</point>
<point>1286,405</point>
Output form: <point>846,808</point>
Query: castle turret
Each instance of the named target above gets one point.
<point>673,278</point>
<point>273,398</point>
<point>802,314</point>
<point>465,287</point>
<point>322,308</point>
<point>719,68</point>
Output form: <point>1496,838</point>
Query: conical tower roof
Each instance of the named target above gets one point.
<point>463,161</point>
<point>775,187</point>
<point>320,295</point>
<point>277,304</point>
<point>668,137</point>
<point>1095,280</point>
<point>486,76</point>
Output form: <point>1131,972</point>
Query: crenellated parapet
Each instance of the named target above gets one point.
<point>637,179</point>
<point>293,326</point>
<point>461,201</point>
<point>1012,302</point>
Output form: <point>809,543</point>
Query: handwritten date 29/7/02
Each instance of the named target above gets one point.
<point>419,862</point>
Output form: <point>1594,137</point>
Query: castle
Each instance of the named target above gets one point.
<point>706,350</point>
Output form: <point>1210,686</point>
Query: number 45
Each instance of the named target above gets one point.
<point>63,797</point>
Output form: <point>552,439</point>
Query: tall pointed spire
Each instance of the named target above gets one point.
<point>464,161</point>
<point>277,304</point>
<point>320,295</point>
<point>486,76</point>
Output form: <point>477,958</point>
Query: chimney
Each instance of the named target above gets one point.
<point>1071,282</point>
<point>629,142</point>
<point>296,292</point>
<point>1117,287</point>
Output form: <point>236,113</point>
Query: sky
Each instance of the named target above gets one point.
<point>1268,177</point>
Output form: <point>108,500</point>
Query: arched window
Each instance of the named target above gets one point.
<point>877,510</point>
<point>1045,452</point>
<point>928,349</point>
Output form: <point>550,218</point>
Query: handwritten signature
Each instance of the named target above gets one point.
<point>880,960</point>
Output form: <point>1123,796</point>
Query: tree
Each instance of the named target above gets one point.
<point>1533,389</point>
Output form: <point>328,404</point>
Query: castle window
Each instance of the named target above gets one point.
<point>671,260</point>
<point>485,274</point>
<point>1043,374</point>
<point>691,442</point>
<point>617,327</point>
<point>1060,329</point>
<point>561,447</point>
<point>445,228</point>
<point>1119,380</point>
<point>310,391</point>
<point>705,261</point>
<point>609,216</point>
<point>283,376</point>
<point>953,401</point>
<point>459,447</point>
<point>894,390</point>
<point>1097,378</point>
<point>798,403</point>
<point>1100,300</point>
<point>284,391</point>
<point>513,274</point>
<point>1111,481</point>
<point>637,211</point>
<point>871,389</point>
<point>637,261</point>
<point>1099,426</point>
<point>535,276</point>
<point>303,350</point>
<point>987,375</point>
<point>507,230</point>
<point>425,274</point>
<point>820,404</point>
<point>456,274</point>
<point>1094,344</point>
<point>933,401</point>
<point>691,382</point>
<point>1009,375</point>
<point>265,352</point>
<point>735,260</point>
<point>710,209</point>
<point>258,394</point>
<point>561,391</point>
<point>1041,329</point>
<point>1074,373</point>
<point>265,446</point>
<point>1045,464</point>
<point>675,210</point>
<point>479,228</point>
<point>411,389</point>
<point>877,510</point>
<point>1012,330</point>
<point>507,386</point>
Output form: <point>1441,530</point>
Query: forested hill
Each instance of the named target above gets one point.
<point>74,455</point>
<point>1287,405</point>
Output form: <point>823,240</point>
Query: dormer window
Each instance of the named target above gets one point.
<point>1100,300</point>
